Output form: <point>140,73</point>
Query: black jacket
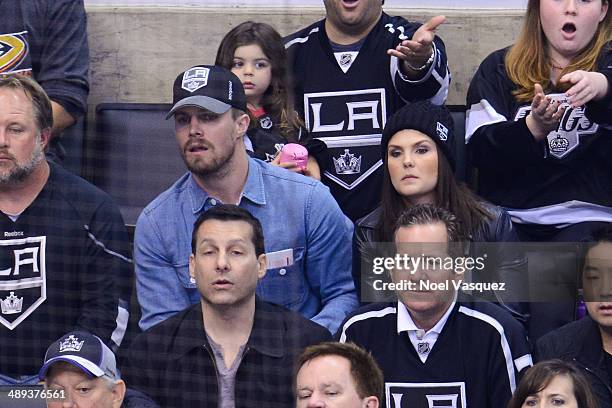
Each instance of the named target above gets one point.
<point>509,264</point>
<point>173,361</point>
<point>580,342</point>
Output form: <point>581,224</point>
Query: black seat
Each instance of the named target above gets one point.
<point>461,160</point>
<point>133,154</point>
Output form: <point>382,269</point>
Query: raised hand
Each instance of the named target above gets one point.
<point>545,114</point>
<point>415,52</point>
<point>586,86</point>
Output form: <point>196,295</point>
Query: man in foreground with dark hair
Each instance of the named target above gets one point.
<point>452,349</point>
<point>340,374</point>
<point>588,341</point>
<point>231,349</point>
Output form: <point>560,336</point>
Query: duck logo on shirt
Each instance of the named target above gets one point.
<point>426,395</point>
<point>13,53</point>
<point>23,286</point>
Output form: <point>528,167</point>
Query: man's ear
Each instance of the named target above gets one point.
<point>262,262</point>
<point>118,393</point>
<point>242,124</point>
<point>45,137</point>
<point>370,402</point>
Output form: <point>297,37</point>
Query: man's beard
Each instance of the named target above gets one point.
<point>20,172</point>
<point>213,165</point>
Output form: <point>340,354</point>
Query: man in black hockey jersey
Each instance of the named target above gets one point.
<point>63,247</point>
<point>351,71</point>
<point>437,347</point>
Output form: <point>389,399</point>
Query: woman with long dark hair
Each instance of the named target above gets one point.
<point>417,154</point>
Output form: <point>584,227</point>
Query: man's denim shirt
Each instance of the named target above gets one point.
<point>297,213</point>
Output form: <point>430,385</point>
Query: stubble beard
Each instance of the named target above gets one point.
<point>207,168</point>
<point>20,172</point>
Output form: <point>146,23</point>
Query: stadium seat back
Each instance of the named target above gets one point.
<point>461,161</point>
<point>133,154</point>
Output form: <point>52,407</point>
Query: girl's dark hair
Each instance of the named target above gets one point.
<point>540,375</point>
<point>450,195</point>
<point>277,100</point>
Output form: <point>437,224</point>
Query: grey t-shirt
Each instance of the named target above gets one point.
<point>227,376</point>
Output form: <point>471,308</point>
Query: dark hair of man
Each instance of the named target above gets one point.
<point>277,100</point>
<point>455,197</point>
<point>230,212</point>
<point>368,377</point>
<point>603,234</point>
<point>41,104</point>
<point>425,214</point>
<point>540,375</point>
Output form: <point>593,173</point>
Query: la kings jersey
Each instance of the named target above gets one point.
<point>566,178</point>
<point>63,265</point>
<point>475,361</point>
<point>267,141</point>
<point>348,110</point>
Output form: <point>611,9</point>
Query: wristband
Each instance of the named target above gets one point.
<point>426,64</point>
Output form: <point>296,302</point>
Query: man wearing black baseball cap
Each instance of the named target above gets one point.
<point>307,236</point>
<point>209,87</point>
<point>81,371</point>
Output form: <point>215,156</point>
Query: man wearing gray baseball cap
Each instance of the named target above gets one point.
<point>81,371</point>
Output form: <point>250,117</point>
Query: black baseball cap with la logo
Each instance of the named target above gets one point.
<point>209,87</point>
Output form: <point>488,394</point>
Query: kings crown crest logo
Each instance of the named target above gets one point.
<point>12,304</point>
<point>572,127</point>
<point>347,163</point>
<point>71,344</point>
<point>559,144</point>
<point>23,286</point>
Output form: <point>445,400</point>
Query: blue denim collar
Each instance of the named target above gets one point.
<point>253,190</point>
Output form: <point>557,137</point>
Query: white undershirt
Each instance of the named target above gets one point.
<point>422,341</point>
